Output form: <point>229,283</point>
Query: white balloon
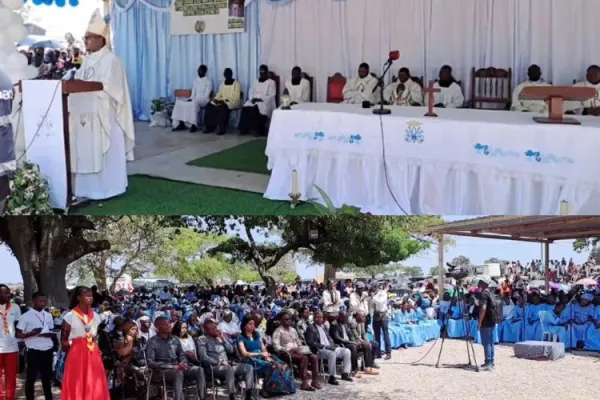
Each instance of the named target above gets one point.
<point>16,19</point>
<point>5,42</point>
<point>17,32</point>
<point>17,61</point>
<point>6,17</point>
<point>13,4</point>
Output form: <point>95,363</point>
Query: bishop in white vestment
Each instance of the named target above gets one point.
<point>357,90</point>
<point>534,73</point>
<point>451,95</point>
<point>404,92</point>
<point>185,112</point>
<point>101,123</point>
<point>591,106</point>
<point>297,88</point>
<point>260,105</point>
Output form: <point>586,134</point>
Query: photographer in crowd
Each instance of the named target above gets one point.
<point>487,321</point>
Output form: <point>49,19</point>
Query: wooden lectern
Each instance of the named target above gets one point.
<point>556,96</point>
<point>71,87</point>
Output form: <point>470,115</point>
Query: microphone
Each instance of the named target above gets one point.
<point>394,56</point>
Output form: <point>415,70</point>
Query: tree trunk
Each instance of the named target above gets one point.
<point>54,284</point>
<point>101,273</point>
<point>329,272</point>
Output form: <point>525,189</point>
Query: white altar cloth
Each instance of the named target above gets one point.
<point>466,162</point>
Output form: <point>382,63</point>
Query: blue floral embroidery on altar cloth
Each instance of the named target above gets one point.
<point>486,150</point>
<point>318,136</point>
<point>542,158</point>
<point>350,139</point>
<point>414,132</point>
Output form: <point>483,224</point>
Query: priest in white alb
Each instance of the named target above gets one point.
<point>404,92</point>
<point>185,112</point>
<point>451,94</point>
<point>534,73</point>
<point>357,90</point>
<point>260,105</point>
<point>297,88</point>
<point>591,106</point>
<point>101,123</point>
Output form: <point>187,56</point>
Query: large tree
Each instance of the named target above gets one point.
<point>135,242</point>
<point>335,240</point>
<point>44,246</point>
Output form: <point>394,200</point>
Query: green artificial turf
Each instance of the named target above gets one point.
<point>154,196</point>
<point>247,157</point>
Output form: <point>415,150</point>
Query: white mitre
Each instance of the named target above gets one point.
<point>98,25</point>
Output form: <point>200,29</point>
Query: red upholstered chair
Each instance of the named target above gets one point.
<point>335,88</point>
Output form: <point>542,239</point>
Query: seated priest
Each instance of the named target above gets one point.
<point>102,133</point>
<point>297,88</point>
<point>591,106</point>
<point>357,90</point>
<point>258,109</point>
<point>216,115</point>
<point>534,73</point>
<point>404,92</point>
<point>186,111</point>
<point>451,95</point>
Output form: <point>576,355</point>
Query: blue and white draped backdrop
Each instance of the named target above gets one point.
<point>328,36</point>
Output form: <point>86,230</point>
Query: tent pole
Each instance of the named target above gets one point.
<point>441,269</point>
<point>547,266</point>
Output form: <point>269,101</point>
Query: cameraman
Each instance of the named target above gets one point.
<point>487,321</point>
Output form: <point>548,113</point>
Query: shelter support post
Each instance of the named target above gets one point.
<point>547,266</point>
<point>441,270</point>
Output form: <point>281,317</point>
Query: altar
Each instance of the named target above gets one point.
<point>465,162</point>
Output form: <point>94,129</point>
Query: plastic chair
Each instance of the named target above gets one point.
<point>547,336</point>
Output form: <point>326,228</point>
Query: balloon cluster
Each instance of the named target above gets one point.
<point>12,30</point>
<point>57,3</point>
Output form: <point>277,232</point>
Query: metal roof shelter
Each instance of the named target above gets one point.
<point>536,229</point>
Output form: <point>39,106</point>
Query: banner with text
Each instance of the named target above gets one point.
<point>194,17</point>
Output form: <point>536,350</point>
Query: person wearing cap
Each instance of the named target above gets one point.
<point>380,317</point>
<point>102,132</point>
<point>581,318</point>
<point>487,322</point>
<point>359,299</point>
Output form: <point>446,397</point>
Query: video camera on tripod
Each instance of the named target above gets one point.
<point>456,272</point>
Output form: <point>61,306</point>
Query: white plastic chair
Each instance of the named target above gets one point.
<point>547,336</point>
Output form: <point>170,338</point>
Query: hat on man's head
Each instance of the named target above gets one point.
<point>360,285</point>
<point>485,279</point>
<point>98,25</point>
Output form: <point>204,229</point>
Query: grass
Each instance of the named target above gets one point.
<point>247,157</point>
<point>154,196</point>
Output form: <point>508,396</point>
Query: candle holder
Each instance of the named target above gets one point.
<point>285,102</point>
<point>295,199</point>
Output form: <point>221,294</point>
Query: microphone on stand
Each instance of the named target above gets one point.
<point>393,56</point>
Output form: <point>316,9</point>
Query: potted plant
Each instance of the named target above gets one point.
<point>29,192</point>
<point>158,113</point>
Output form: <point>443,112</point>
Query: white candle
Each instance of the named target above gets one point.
<point>295,182</point>
<point>564,208</point>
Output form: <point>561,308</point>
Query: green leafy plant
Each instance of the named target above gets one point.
<point>29,192</point>
<point>329,208</point>
<point>158,105</point>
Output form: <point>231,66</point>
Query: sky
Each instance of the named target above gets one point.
<point>58,21</point>
<point>477,250</point>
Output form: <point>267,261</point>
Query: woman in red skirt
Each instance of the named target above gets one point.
<point>84,376</point>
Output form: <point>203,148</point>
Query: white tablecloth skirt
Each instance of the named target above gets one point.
<point>466,162</point>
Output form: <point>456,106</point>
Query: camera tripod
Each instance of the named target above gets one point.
<point>459,299</point>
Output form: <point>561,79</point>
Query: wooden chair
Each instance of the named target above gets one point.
<point>491,86</point>
<point>275,77</point>
<point>335,88</point>
<point>312,84</point>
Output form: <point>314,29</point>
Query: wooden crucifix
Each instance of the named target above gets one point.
<point>431,90</point>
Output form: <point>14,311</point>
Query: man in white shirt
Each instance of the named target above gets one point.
<point>35,327</point>
<point>297,88</point>
<point>591,106</point>
<point>359,299</point>
<point>10,314</point>
<point>380,316</point>
<point>451,95</point>
<point>534,73</point>
<point>185,112</point>
<point>357,90</point>
<point>404,92</point>
<point>229,327</point>
<point>259,108</point>
<point>332,299</point>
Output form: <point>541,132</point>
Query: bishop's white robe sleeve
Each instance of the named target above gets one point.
<point>516,100</point>
<point>370,94</point>
<point>457,99</point>
<point>388,93</point>
<point>416,94</point>
<point>349,90</point>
